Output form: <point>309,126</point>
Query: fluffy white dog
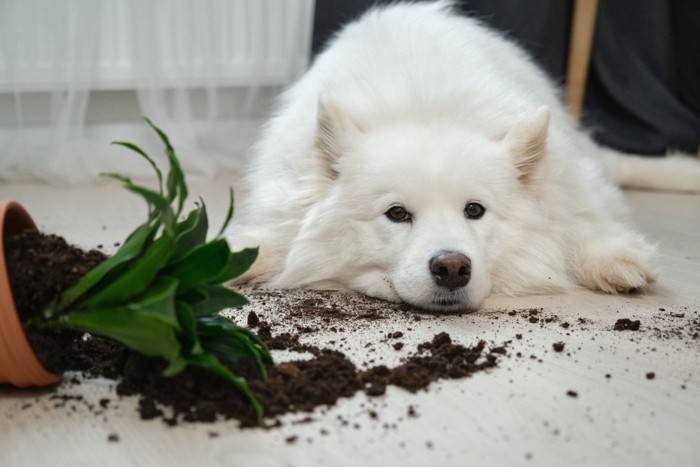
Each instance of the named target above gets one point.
<point>424,158</point>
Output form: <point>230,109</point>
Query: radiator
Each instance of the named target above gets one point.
<point>131,44</point>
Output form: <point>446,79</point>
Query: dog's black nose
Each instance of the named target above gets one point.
<point>451,270</point>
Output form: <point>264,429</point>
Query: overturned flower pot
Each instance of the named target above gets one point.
<point>19,365</point>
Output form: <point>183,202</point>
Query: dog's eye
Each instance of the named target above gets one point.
<point>398,214</point>
<point>474,210</point>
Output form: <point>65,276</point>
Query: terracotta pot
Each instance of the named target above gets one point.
<point>18,364</point>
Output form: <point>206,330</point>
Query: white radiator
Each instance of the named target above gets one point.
<point>127,44</point>
<point>76,74</point>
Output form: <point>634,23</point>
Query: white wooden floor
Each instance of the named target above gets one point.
<point>517,414</point>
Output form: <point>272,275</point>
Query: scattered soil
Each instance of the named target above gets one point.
<point>434,360</point>
<point>318,378</point>
<point>684,326</point>
<point>297,386</point>
<point>196,395</point>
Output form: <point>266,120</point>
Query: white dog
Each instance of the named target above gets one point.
<point>424,158</point>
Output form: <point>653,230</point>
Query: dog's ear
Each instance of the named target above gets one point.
<point>528,142</point>
<point>333,129</point>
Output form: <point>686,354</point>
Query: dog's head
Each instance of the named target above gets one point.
<point>418,212</point>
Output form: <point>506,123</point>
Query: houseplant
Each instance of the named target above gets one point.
<point>159,295</point>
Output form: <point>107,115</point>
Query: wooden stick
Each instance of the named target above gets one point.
<point>582,30</point>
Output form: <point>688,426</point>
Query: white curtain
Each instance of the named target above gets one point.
<point>78,74</point>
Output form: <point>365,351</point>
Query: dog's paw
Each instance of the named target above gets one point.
<point>620,265</point>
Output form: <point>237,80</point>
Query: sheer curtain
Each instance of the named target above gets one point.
<point>78,74</point>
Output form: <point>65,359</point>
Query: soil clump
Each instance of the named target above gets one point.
<point>626,324</point>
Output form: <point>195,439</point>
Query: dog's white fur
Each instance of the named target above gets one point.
<point>418,107</point>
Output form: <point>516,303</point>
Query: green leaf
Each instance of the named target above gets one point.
<point>160,301</point>
<point>132,247</point>
<point>215,298</point>
<point>191,232</point>
<point>116,176</point>
<point>188,332</point>
<point>135,279</point>
<point>141,152</point>
<point>144,330</point>
<point>238,263</point>
<point>231,342</point>
<point>176,366</point>
<point>229,213</point>
<point>200,266</point>
<point>176,186</point>
<point>161,206</point>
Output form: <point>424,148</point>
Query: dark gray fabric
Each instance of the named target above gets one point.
<point>643,91</point>
<point>643,78</point>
